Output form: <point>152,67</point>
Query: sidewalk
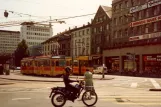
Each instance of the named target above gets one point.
<point>16,75</point>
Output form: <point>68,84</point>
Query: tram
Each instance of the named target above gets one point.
<point>53,65</point>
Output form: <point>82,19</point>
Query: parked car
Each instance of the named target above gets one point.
<point>18,68</point>
<point>99,70</point>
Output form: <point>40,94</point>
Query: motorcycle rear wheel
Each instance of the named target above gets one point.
<point>61,98</point>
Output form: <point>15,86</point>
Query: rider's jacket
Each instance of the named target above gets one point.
<point>67,80</point>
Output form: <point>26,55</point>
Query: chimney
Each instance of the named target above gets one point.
<point>91,20</point>
<point>88,23</point>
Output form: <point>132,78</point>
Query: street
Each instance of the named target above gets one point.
<point>119,92</point>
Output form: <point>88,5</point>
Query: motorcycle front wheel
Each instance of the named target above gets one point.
<point>58,100</point>
<point>89,98</point>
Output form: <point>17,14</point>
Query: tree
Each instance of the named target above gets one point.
<point>21,52</point>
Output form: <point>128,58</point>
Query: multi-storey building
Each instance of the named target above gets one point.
<point>81,37</point>
<point>64,40</point>
<point>100,33</point>
<point>9,41</point>
<point>51,46</point>
<point>35,34</point>
<point>135,36</point>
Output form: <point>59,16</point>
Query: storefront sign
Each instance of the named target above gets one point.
<point>145,6</point>
<point>138,8</point>
<point>152,58</point>
<point>145,36</point>
<point>154,3</point>
<point>145,21</point>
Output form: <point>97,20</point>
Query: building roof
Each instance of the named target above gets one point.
<point>9,31</point>
<point>108,10</point>
<point>115,1</point>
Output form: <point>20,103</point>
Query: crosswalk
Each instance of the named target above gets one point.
<point>134,98</point>
<point>135,83</point>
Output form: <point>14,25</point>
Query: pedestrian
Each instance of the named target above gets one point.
<point>88,78</point>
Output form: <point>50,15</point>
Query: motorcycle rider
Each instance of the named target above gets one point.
<point>67,82</point>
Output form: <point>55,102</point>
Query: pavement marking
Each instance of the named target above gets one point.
<point>155,84</point>
<point>21,98</point>
<point>134,85</point>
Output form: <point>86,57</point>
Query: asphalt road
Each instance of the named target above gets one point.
<point>119,92</point>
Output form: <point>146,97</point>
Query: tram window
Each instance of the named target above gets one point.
<point>52,63</point>
<point>45,62</point>
<point>61,62</point>
<point>57,63</point>
<point>75,63</point>
<point>68,63</point>
<point>35,63</point>
<point>22,64</point>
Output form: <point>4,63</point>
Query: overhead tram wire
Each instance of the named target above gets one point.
<point>71,17</point>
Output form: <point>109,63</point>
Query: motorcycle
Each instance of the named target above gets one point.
<point>59,95</point>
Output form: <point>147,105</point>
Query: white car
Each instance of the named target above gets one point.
<point>99,70</point>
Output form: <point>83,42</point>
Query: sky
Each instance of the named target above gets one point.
<point>43,10</point>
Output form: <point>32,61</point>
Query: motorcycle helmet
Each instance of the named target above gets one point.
<point>68,69</point>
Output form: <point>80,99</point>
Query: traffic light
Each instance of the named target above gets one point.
<point>6,14</point>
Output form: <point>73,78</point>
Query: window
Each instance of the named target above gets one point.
<point>104,17</point>
<point>101,29</point>
<point>120,6</point>
<point>95,30</point>
<point>83,32</point>
<point>132,2</point>
<point>138,32</point>
<point>87,31</point>
<point>126,3</point>
<point>120,19</point>
<point>114,8</point>
<point>107,26</point>
<point>100,19</point>
<point>146,28</point>
<point>115,34</point>
<point>126,32</point>
<point>155,26</point>
<point>120,33</point>
<point>139,14</point>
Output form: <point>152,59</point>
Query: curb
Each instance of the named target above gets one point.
<point>155,89</point>
<point>29,80</point>
<point>6,83</point>
<point>95,78</point>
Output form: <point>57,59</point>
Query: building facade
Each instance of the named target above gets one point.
<point>51,46</point>
<point>81,37</point>
<point>100,33</point>
<point>9,41</point>
<point>64,40</point>
<point>135,36</point>
<point>35,34</point>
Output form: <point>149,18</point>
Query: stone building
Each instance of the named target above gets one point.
<point>136,41</point>
<point>100,33</point>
